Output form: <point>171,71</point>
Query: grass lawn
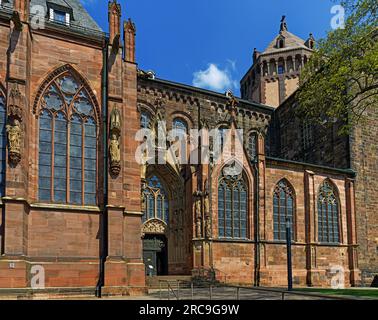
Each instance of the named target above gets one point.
<point>369,293</point>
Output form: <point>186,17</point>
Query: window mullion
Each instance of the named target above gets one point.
<point>68,156</point>
<point>82,162</point>
<point>232,211</point>
<point>52,156</point>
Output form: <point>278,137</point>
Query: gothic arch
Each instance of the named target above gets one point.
<point>328,194</point>
<point>284,185</point>
<point>58,72</point>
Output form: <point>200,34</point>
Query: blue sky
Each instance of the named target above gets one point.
<point>209,43</point>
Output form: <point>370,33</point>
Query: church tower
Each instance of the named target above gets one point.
<point>274,74</point>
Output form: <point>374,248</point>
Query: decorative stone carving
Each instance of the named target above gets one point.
<point>198,213</point>
<point>16,103</point>
<point>208,227</point>
<point>114,144</point>
<point>198,228</point>
<point>143,168</point>
<point>232,103</point>
<point>198,208</point>
<point>146,74</point>
<point>154,226</point>
<point>14,141</point>
<point>206,204</point>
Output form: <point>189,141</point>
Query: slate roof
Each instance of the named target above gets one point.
<point>81,16</point>
<point>291,42</point>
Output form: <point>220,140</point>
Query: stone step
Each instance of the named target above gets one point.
<point>157,282</point>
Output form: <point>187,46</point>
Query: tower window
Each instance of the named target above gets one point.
<point>281,69</point>
<point>281,43</point>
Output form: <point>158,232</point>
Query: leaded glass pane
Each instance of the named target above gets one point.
<point>76,169</point>
<point>221,210</point>
<point>179,127</point>
<point>157,202</point>
<point>144,120</point>
<point>328,215</point>
<point>83,105</point>
<point>3,142</point>
<point>283,209</point>
<point>232,209</point>
<point>45,137</point>
<point>68,85</point>
<point>53,157</point>
<point>90,155</point>
<point>159,208</point>
<point>53,101</point>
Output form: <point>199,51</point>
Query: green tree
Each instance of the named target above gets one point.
<point>340,82</point>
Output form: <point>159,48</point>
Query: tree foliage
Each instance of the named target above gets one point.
<point>340,82</point>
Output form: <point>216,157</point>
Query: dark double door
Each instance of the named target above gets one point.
<point>155,255</point>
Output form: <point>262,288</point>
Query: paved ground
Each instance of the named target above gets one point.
<point>216,294</point>
<point>204,293</point>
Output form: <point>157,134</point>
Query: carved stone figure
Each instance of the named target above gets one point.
<point>14,140</point>
<point>207,205</point>
<point>114,144</point>
<point>208,227</point>
<point>198,228</point>
<point>198,208</point>
<point>115,153</point>
<point>143,168</point>
<point>15,103</point>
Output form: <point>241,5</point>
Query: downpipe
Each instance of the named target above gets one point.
<point>103,218</point>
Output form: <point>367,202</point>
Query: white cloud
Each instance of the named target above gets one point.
<point>215,78</point>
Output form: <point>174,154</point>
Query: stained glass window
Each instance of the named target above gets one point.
<point>283,208</point>
<point>328,214</point>
<point>155,200</point>
<point>67,143</point>
<point>232,209</point>
<point>3,144</point>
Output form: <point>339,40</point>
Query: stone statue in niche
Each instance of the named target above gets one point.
<point>143,168</point>
<point>208,227</point>
<point>114,144</point>
<point>16,103</point>
<point>14,132</point>
<point>207,216</point>
<point>198,207</point>
<point>198,228</point>
<point>206,204</point>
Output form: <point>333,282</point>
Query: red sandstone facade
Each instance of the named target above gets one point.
<point>66,239</point>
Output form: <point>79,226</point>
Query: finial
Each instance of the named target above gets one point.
<point>283,26</point>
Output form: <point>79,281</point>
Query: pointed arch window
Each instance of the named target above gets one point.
<point>283,208</point>
<point>252,146</point>
<point>67,143</point>
<point>3,143</point>
<point>232,208</point>
<point>156,201</point>
<point>328,214</point>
